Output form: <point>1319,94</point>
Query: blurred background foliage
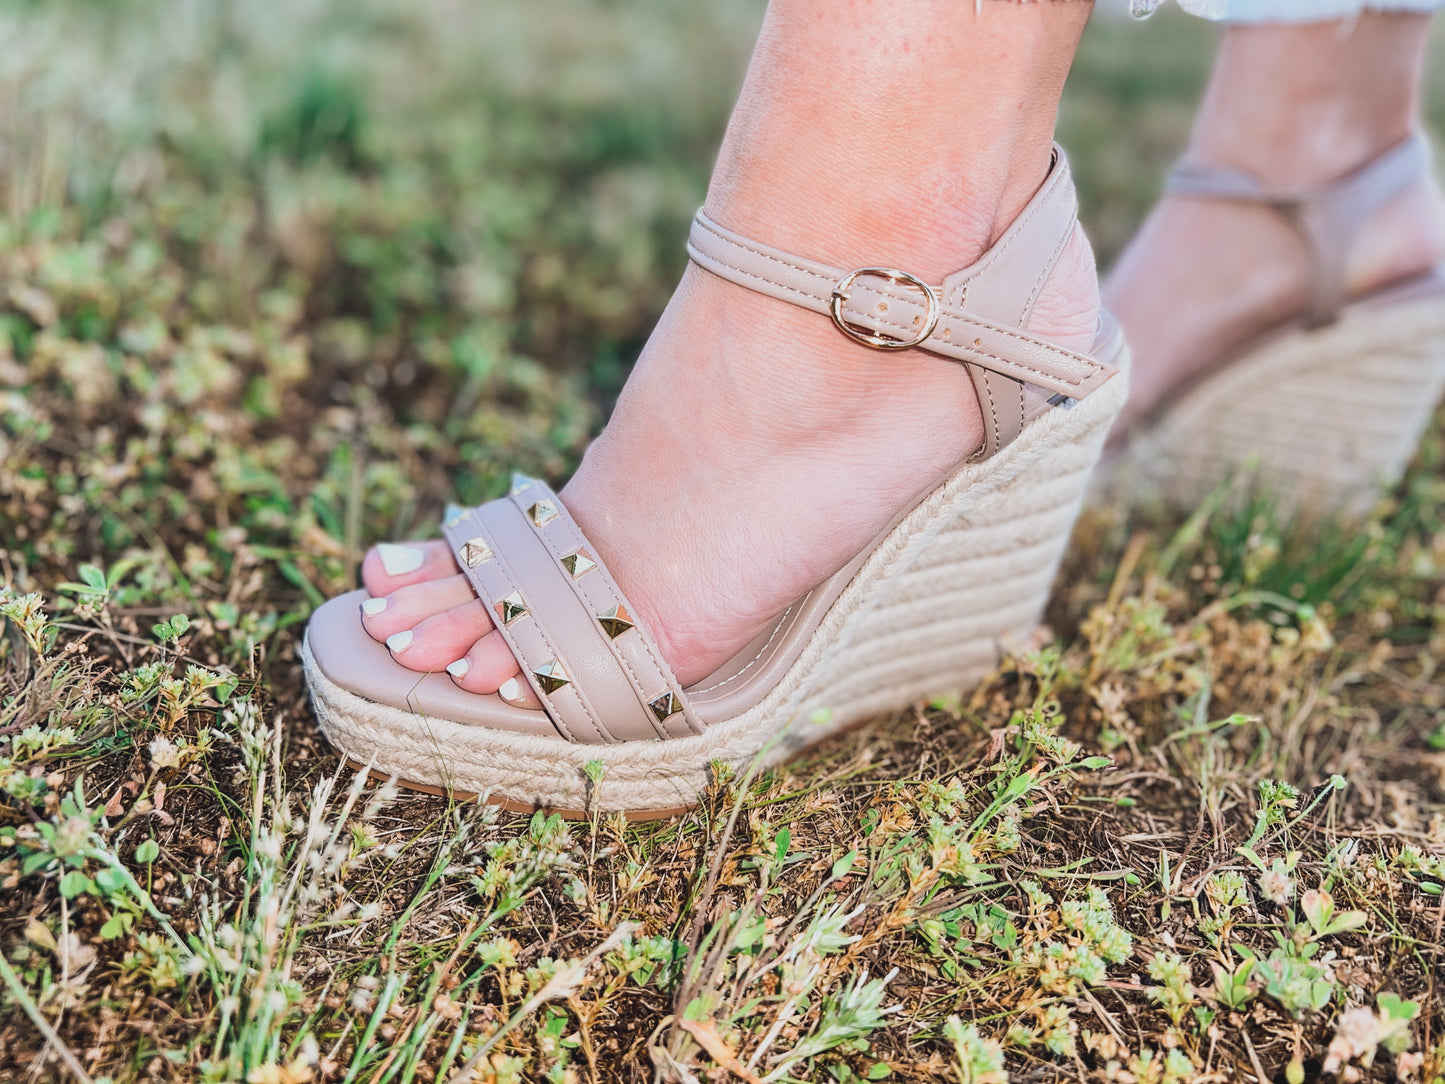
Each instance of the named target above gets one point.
<point>277,280</point>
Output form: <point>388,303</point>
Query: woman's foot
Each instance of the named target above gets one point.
<point>755,450</point>
<point>1296,106</point>
<point>1203,276</point>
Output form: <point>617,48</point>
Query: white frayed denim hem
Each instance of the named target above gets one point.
<point>1285,11</point>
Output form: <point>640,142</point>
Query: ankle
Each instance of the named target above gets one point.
<point>927,220</point>
<point>914,145</point>
<point>1309,148</point>
<point>1303,105</point>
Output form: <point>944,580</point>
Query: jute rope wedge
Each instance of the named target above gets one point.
<point>925,610</point>
<point>1322,414</point>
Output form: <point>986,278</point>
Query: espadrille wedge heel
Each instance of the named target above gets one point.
<point>925,610</point>
<point>1322,414</point>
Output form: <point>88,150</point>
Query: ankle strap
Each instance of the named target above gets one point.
<point>891,309</point>
<point>1328,215</point>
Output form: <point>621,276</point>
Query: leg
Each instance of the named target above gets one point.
<point>1295,105</point>
<point>754,450</point>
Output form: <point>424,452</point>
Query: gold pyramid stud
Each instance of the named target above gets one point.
<point>664,705</point>
<point>455,514</point>
<point>543,513</point>
<point>475,551</point>
<point>578,563</point>
<point>615,621</point>
<point>521,482</point>
<point>551,676</point>
<point>511,608</point>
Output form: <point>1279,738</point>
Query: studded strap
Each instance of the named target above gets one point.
<point>595,671</point>
<point>651,678</point>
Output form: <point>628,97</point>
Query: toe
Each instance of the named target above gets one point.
<point>429,618</point>
<point>390,566</point>
<point>441,639</point>
<point>407,607</point>
<point>489,667</point>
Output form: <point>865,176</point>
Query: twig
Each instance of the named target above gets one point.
<point>1107,1017</point>
<point>1125,571</point>
<point>1253,1057</point>
<point>686,990</point>
<point>584,1030</point>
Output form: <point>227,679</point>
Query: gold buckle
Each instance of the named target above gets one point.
<point>882,342</point>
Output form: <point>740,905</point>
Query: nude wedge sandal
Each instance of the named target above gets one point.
<point>922,611</point>
<point>1322,413</point>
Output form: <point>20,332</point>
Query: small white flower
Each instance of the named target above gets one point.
<point>1277,886</point>
<point>164,753</point>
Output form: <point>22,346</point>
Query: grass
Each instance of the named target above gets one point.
<point>279,282</point>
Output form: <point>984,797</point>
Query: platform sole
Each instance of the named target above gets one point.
<point>1323,420</point>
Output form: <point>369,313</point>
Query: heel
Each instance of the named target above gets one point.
<point>1323,419</point>
<point>963,579</point>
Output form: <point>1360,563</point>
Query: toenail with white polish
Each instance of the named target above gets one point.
<point>373,606</point>
<point>459,668</point>
<point>399,560</point>
<point>511,689</point>
<point>399,641</point>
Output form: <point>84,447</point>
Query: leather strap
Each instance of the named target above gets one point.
<point>596,688</point>
<point>1328,215</point>
<point>633,648</point>
<point>983,310</point>
<point>1003,286</point>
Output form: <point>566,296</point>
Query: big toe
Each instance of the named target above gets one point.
<point>391,566</point>
<point>429,618</point>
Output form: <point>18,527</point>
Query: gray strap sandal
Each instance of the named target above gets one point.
<point>1326,410</point>
<point>924,610</point>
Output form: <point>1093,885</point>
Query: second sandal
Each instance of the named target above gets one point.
<point>1324,411</point>
<point>924,610</point>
